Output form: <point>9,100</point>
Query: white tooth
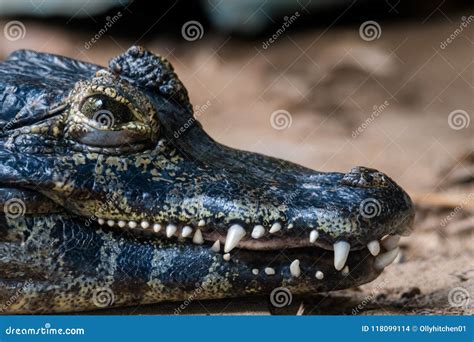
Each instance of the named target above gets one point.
<point>101,221</point>
<point>391,242</point>
<point>319,275</point>
<point>385,259</point>
<point>275,227</point>
<point>290,226</point>
<point>156,227</point>
<point>187,231</point>
<point>197,238</point>
<point>341,251</point>
<point>295,269</point>
<point>216,247</point>
<point>269,271</point>
<point>234,235</point>
<point>170,230</point>
<point>132,224</point>
<point>374,247</point>
<point>255,271</point>
<point>122,224</point>
<point>345,271</point>
<point>313,236</point>
<point>110,223</point>
<point>227,256</point>
<point>258,231</point>
<point>145,224</point>
<point>201,223</point>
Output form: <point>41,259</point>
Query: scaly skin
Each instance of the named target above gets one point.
<point>110,185</point>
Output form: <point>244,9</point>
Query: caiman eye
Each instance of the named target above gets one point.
<point>106,111</point>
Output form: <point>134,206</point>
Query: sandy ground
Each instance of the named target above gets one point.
<point>384,104</point>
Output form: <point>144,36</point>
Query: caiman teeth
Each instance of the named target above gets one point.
<point>319,275</point>
<point>132,224</point>
<point>156,227</point>
<point>258,231</point>
<point>226,256</point>
<point>216,247</point>
<point>341,251</point>
<point>122,223</point>
<point>197,238</point>
<point>385,259</point>
<point>313,236</point>
<point>269,271</point>
<point>201,223</point>
<point>170,230</point>
<point>390,242</point>
<point>145,224</point>
<point>186,231</point>
<point>100,221</point>
<point>275,228</point>
<point>295,269</point>
<point>374,247</point>
<point>110,223</point>
<point>234,235</point>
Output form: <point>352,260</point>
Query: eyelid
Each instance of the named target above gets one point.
<point>127,103</point>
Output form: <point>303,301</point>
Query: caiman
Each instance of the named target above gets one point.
<point>114,195</point>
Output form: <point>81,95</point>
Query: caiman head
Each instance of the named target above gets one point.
<point>118,149</point>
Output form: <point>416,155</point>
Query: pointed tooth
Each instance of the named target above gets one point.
<point>258,231</point>
<point>216,247</point>
<point>319,275</point>
<point>255,271</point>
<point>100,221</point>
<point>132,224</point>
<point>186,231</point>
<point>341,251</point>
<point>374,247</point>
<point>313,236</point>
<point>234,235</point>
<point>201,223</point>
<point>345,271</point>
<point>156,227</point>
<point>391,242</point>
<point>385,259</point>
<point>269,271</point>
<point>290,226</point>
<point>121,223</point>
<point>170,230</point>
<point>145,224</point>
<point>227,257</point>
<point>295,269</point>
<point>110,223</point>
<point>275,228</point>
<point>197,238</point>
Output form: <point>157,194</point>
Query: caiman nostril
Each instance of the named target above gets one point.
<point>364,177</point>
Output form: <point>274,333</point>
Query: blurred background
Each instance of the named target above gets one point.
<point>327,84</point>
